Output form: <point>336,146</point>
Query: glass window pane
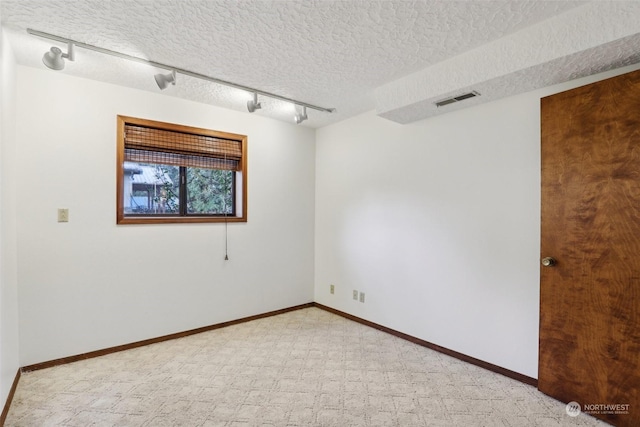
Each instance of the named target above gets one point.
<point>151,189</point>
<point>209,191</point>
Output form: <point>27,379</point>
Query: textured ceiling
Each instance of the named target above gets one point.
<point>348,55</point>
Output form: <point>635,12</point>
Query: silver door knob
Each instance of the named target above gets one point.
<point>548,261</point>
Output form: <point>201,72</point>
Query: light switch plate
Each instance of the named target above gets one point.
<point>63,215</point>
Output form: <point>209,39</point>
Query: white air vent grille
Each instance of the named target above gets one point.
<point>458,98</point>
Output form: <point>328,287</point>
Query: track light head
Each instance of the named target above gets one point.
<point>253,104</point>
<point>164,80</point>
<point>301,117</point>
<point>54,58</point>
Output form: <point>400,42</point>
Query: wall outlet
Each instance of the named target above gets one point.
<point>63,215</point>
<point>361,296</point>
<point>332,289</point>
<point>355,295</point>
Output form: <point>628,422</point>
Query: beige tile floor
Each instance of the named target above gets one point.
<point>303,368</point>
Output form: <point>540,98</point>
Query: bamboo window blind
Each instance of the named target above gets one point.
<point>151,145</point>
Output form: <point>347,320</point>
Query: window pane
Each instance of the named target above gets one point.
<point>151,189</point>
<point>210,191</point>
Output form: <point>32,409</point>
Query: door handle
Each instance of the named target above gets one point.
<point>548,261</point>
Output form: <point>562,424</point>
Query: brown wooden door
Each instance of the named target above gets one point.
<point>590,300</point>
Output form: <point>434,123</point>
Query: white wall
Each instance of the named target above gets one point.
<point>9,356</point>
<point>89,284</point>
<point>438,223</point>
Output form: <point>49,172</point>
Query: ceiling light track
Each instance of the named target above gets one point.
<point>174,70</point>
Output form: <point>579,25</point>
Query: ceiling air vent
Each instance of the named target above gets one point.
<point>458,98</point>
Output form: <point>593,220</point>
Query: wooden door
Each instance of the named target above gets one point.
<point>590,299</point>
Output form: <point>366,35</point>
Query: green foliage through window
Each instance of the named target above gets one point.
<point>209,191</point>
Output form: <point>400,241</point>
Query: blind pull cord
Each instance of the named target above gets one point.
<point>226,224</point>
<point>226,239</point>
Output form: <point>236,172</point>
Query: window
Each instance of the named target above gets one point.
<point>173,173</point>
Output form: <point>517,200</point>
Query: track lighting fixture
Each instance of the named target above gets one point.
<point>301,117</point>
<point>165,80</point>
<point>54,58</point>
<point>253,104</point>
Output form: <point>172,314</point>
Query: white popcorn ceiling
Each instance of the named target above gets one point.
<point>354,56</point>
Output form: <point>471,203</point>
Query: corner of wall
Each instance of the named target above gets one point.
<point>9,345</point>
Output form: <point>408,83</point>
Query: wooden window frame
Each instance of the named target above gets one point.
<point>240,189</point>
